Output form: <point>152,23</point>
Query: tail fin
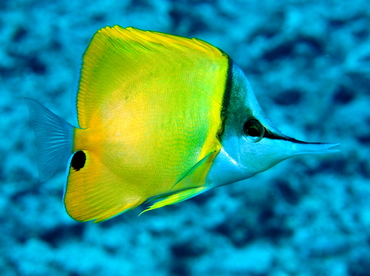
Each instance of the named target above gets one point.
<point>53,139</point>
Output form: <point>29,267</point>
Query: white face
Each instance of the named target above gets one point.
<point>251,143</point>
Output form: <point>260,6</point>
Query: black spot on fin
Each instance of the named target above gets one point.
<point>78,160</point>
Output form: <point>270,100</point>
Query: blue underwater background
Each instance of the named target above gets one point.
<point>309,65</point>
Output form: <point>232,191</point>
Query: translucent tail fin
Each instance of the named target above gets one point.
<point>53,138</point>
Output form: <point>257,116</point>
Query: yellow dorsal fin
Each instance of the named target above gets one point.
<point>118,59</point>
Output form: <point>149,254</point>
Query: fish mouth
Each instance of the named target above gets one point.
<point>315,148</point>
<point>334,147</point>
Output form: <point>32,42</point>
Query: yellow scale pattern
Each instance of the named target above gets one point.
<point>149,110</point>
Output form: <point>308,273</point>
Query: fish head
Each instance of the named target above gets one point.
<point>251,143</point>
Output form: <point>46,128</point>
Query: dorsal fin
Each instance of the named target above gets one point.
<point>118,59</point>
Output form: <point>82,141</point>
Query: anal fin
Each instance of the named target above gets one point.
<point>94,192</point>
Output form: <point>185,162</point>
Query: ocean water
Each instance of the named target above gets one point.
<point>309,65</point>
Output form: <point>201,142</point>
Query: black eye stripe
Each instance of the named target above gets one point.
<point>271,135</point>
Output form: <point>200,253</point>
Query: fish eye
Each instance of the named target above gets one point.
<point>253,130</point>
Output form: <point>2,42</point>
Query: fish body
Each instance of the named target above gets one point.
<point>160,117</point>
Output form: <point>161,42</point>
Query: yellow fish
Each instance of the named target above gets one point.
<point>160,117</point>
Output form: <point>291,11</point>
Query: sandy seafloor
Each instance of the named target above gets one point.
<point>309,65</point>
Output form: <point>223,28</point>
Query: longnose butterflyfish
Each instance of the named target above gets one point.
<point>160,118</point>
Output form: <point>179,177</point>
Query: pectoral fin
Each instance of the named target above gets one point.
<point>196,174</point>
<point>189,184</point>
<point>176,198</point>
